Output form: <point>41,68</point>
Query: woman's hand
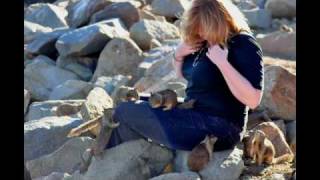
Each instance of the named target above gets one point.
<point>184,49</point>
<point>217,55</point>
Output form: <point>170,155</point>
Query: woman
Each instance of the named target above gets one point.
<point>223,66</point>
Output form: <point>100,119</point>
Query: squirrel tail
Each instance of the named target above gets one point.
<point>84,127</point>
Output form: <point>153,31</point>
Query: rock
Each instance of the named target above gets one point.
<point>66,159</point>
<point>45,135</point>
<point>169,8</point>
<point>152,56</point>
<point>26,101</point>
<point>258,18</point>
<point>33,7</point>
<point>291,135</point>
<point>260,3</point>
<point>32,30</point>
<point>110,84</point>
<point>97,100</point>
<point>83,72</point>
<point>45,59</point>
<point>279,95</point>
<point>246,5</point>
<point>136,159</point>
<point>277,23</point>
<point>282,8</point>
<point>71,89</point>
<point>85,40</point>
<point>82,66</point>
<point>225,165</point>
<point>144,31</point>
<point>81,11</point>
<point>279,44</point>
<point>178,176</point>
<point>178,87</point>
<point>277,176</point>
<point>119,56</point>
<point>158,72</point>
<point>54,176</point>
<point>38,110</point>
<point>126,11</point>
<point>120,29</point>
<point>41,77</point>
<point>63,3</point>
<point>287,64</point>
<point>49,15</point>
<point>44,43</point>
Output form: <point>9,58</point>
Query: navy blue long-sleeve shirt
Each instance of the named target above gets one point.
<point>207,85</point>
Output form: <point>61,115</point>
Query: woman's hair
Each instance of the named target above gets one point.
<point>216,20</point>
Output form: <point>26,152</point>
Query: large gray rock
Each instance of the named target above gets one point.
<point>169,8</point>
<point>260,3</point>
<point>97,100</point>
<point>33,7</point>
<point>45,43</point>
<point>81,11</point>
<point>64,3</point>
<point>54,176</point>
<point>225,165</point>
<point>49,15</point>
<point>119,28</point>
<point>144,31</point>
<point>81,66</point>
<point>127,11</point>
<point>158,72</point>
<point>282,8</point>
<point>45,135</point>
<point>38,110</point>
<point>246,5</point>
<point>279,44</point>
<point>88,62</point>
<point>41,77</point>
<point>279,95</point>
<point>131,160</point>
<point>287,64</point>
<point>110,84</point>
<point>120,56</point>
<point>32,30</point>
<point>85,40</point>
<point>66,159</point>
<point>71,89</point>
<point>258,18</point>
<point>178,176</point>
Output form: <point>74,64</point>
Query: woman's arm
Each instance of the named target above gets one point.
<point>240,87</point>
<point>177,64</point>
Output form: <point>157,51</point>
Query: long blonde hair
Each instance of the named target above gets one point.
<point>217,20</point>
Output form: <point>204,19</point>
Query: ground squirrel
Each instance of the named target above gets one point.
<point>168,99</point>
<point>254,142</point>
<point>67,109</point>
<point>107,125</point>
<point>125,93</point>
<point>202,154</point>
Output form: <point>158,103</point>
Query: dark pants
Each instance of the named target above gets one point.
<point>177,128</point>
